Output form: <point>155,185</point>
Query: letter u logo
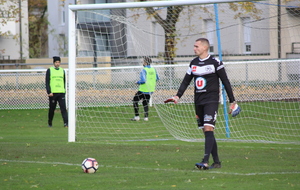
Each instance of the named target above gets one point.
<point>200,83</point>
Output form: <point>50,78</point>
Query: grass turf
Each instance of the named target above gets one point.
<point>34,156</point>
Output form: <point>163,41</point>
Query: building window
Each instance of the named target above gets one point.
<point>210,31</point>
<point>102,15</point>
<point>248,47</point>
<point>94,16</point>
<point>102,43</point>
<point>247,34</point>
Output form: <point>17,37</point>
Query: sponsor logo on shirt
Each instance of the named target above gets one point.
<point>200,83</point>
<point>194,68</point>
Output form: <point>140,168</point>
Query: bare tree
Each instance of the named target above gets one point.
<point>172,17</point>
<point>169,26</point>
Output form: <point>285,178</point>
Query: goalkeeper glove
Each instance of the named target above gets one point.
<point>234,109</point>
<point>173,99</point>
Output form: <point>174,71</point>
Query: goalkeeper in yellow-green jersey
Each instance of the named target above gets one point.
<point>147,84</point>
<point>56,90</point>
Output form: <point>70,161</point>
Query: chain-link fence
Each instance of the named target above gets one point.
<point>252,81</point>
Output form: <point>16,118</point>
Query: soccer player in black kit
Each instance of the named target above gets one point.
<point>206,71</point>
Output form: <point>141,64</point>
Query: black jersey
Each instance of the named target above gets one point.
<point>206,74</point>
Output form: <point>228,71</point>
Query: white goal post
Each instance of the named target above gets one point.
<point>114,83</point>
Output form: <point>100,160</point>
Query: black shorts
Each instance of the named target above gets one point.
<point>141,96</point>
<point>206,114</point>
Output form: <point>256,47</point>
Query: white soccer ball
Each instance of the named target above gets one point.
<point>89,165</point>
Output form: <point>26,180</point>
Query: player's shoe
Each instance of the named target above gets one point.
<point>202,166</point>
<point>136,118</point>
<point>49,125</point>
<point>146,119</point>
<point>66,125</point>
<point>215,165</point>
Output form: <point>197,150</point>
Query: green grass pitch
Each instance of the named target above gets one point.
<point>34,156</point>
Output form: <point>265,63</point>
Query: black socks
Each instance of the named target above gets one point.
<point>210,147</point>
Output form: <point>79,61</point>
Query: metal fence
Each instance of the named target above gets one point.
<point>251,80</point>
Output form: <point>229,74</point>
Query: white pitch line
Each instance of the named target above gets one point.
<point>38,162</point>
<point>156,169</point>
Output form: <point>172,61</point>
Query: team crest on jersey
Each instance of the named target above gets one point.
<point>200,83</point>
<point>208,69</point>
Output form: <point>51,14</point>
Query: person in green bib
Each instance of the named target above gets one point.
<point>147,84</point>
<point>55,86</point>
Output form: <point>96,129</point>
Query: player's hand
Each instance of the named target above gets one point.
<point>234,109</point>
<point>231,107</point>
<point>173,99</point>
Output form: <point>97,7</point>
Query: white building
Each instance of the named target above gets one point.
<point>14,36</point>
<point>58,27</point>
<point>271,32</point>
<point>58,24</point>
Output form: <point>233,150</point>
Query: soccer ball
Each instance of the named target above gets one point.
<point>89,165</point>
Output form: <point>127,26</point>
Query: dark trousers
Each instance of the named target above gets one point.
<point>60,98</point>
<point>145,100</point>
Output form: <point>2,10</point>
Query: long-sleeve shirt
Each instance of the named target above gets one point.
<point>206,74</point>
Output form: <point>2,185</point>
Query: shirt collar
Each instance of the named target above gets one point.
<point>204,58</point>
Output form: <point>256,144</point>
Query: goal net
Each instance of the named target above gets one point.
<point>258,42</point>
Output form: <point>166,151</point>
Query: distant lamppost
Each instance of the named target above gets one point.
<point>20,23</point>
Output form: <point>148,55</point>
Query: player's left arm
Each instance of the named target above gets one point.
<point>64,79</point>
<point>225,81</point>
<point>234,109</point>
<point>157,77</point>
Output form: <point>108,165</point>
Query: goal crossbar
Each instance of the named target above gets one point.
<point>148,4</point>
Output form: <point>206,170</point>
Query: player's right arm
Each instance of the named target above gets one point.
<point>142,77</point>
<point>47,81</point>
<point>183,86</point>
